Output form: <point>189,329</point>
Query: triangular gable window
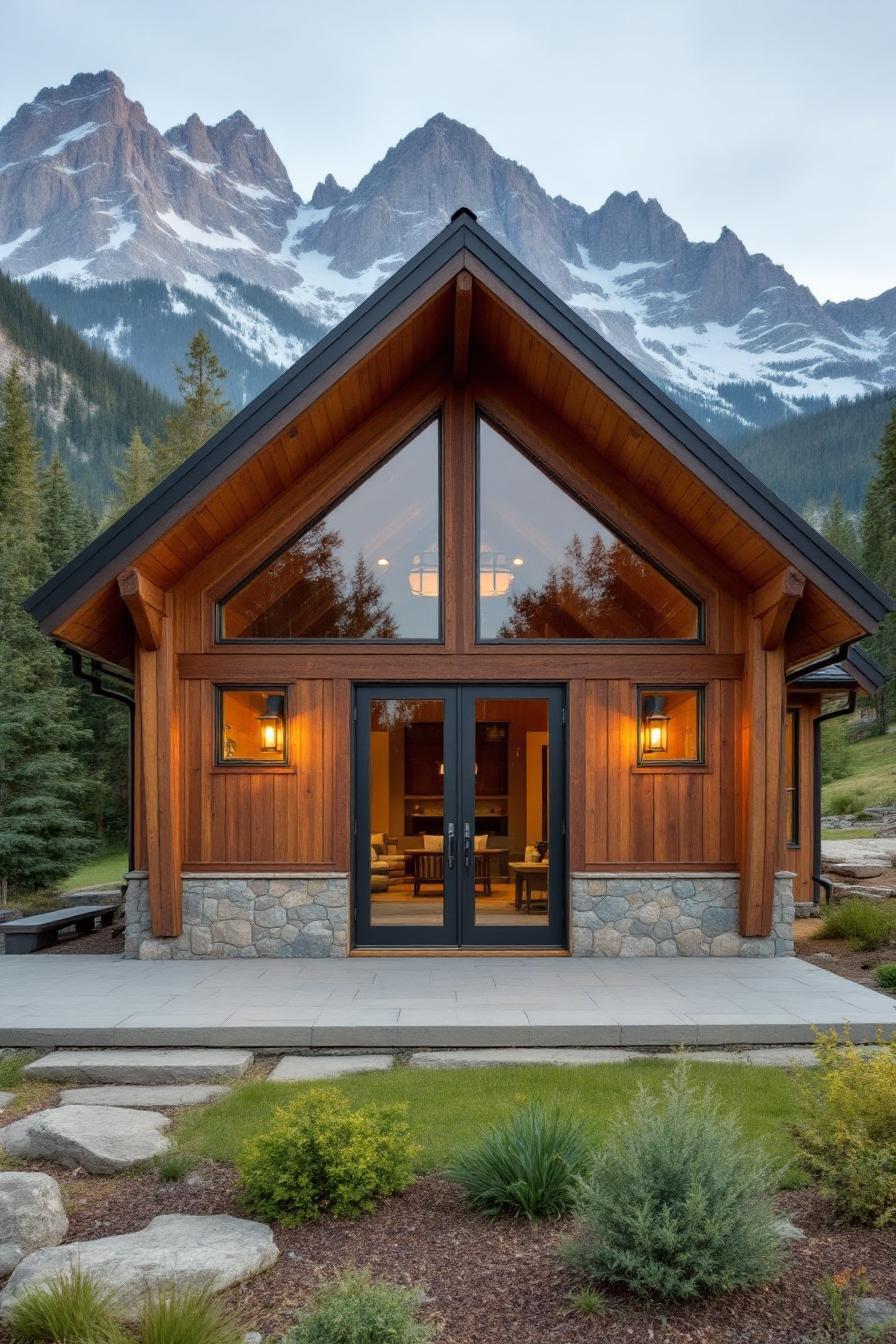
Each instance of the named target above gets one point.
<point>549,568</point>
<point>366,569</point>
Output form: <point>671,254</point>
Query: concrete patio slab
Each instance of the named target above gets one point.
<point>778,1057</point>
<point>307,1068</point>
<point>389,1002</point>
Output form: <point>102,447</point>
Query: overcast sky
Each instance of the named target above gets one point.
<point>775,117</point>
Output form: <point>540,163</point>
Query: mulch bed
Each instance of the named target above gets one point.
<point>491,1281</point>
<point>107,942</point>
<point>839,957</point>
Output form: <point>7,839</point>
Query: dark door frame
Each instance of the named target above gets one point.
<point>459,929</point>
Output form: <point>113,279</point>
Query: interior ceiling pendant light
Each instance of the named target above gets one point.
<point>495,574</point>
<point>270,724</point>
<point>424,574</point>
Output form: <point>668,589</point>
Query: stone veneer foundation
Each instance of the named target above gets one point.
<point>245,915</point>
<point>307,915</point>
<point>672,915</point>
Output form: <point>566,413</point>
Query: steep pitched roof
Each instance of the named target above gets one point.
<point>857,668</point>
<point>465,236</point>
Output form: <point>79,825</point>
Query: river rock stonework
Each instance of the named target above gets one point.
<point>263,915</point>
<point>671,915</point>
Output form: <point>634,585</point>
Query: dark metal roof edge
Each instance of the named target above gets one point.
<point>462,232</point>
<point>857,666</point>
<point>712,454</point>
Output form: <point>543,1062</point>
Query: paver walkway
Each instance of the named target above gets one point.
<point>428,1002</point>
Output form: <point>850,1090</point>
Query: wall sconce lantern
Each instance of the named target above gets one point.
<point>495,575</point>
<point>270,725</point>
<point>655,724</point>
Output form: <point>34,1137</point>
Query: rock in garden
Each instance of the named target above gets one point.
<point>101,1139</point>
<point>875,1313</point>
<point>6,1098</point>
<point>217,1251</point>
<point>789,1231</point>
<point>162,1094</point>
<point>31,1216</point>
<point>870,868</point>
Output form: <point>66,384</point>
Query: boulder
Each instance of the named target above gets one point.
<point>6,1098</point>
<point>161,1094</point>
<point>31,1216</point>
<point>860,869</point>
<point>139,1066</point>
<point>217,1251</point>
<point>875,1314</point>
<point>101,1139</point>
<point>306,1068</point>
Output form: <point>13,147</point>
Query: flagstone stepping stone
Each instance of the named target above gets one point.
<point>133,1094</point>
<point>31,1216</point>
<point>305,1068</point>
<point>218,1251</point>
<point>101,1139</point>
<point>139,1066</point>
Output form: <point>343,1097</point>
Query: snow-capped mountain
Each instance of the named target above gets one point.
<point>206,218</point>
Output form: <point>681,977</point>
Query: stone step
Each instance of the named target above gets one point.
<point>139,1066</point>
<point>306,1068</point>
<point>161,1095</point>
<point>855,891</point>
<point>100,1139</point>
<point>779,1056</point>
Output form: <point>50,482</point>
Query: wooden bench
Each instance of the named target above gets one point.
<point>36,931</point>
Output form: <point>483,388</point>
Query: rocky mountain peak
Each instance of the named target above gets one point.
<point>328,193</point>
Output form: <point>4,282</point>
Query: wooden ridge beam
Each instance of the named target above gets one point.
<point>773,605</point>
<point>146,604</point>
<point>463,323</point>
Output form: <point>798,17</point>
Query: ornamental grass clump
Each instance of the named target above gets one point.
<point>678,1204</point>
<point>172,1315</point>
<point>846,1139</point>
<point>71,1309</point>
<point>321,1156</point>
<point>355,1310</point>
<point>529,1164</point>
<point>863,925</point>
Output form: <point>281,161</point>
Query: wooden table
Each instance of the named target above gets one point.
<point>424,867</point>
<point>532,877</point>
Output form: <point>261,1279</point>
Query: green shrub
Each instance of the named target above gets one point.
<point>677,1204</point>
<point>320,1156</point>
<point>863,925</point>
<point>844,804</point>
<point>529,1164</point>
<point>173,1165</point>
<point>847,1137</point>
<point>835,754</point>
<point>354,1310</point>
<point>187,1316</point>
<point>72,1309</point>
<point>886,975</point>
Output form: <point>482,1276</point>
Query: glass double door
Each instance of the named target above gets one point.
<point>459,816</point>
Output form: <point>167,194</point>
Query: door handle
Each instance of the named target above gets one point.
<point>468,843</point>
<point>450,848</point>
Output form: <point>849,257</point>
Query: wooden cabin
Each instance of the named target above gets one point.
<point>463,635</point>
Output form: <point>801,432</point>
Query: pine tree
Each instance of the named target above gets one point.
<point>133,479</point>
<point>19,456</point>
<point>840,530</point>
<point>65,523</point>
<point>42,835</point>
<point>879,558</point>
<point>205,408</point>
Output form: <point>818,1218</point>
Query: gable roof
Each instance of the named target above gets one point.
<point>462,237</point>
<point>857,668</point>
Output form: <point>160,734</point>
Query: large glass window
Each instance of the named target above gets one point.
<point>369,568</point>
<point>549,568</point>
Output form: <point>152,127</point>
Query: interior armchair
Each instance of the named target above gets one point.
<point>388,853</point>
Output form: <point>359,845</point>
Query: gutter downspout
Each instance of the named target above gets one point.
<point>94,679</point>
<point>822,883</point>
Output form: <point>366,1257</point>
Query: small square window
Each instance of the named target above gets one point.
<point>252,725</point>
<point>670,725</point>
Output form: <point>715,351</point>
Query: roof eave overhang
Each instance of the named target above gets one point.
<point>462,245</point>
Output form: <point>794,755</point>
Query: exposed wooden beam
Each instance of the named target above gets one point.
<point>762,796</point>
<point>146,604</point>
<point>156,686</point>
<point>773,604</point>
<point>463,321</point>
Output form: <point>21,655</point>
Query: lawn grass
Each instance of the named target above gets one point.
<point>850,833</point>
<point>98,871</point>
<point>872,774</point>
<point>449,1108</point>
